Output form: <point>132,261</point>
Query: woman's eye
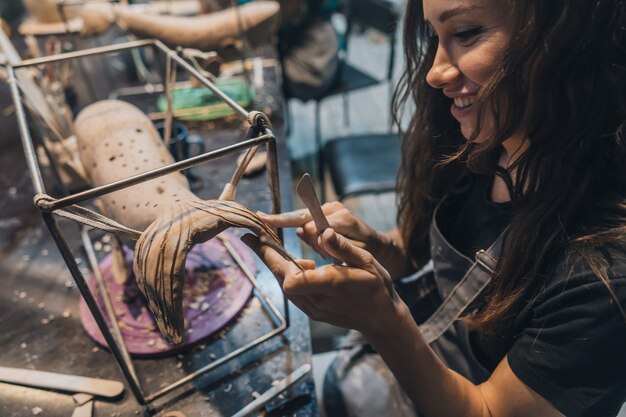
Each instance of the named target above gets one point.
<point>467,35</point>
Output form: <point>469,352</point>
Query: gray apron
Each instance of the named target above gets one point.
<point>359,384</point>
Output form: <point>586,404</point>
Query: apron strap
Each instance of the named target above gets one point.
<point>464,293</point>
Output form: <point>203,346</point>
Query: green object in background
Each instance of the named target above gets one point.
<point>200,103</point>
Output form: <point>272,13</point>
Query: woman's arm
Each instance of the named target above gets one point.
<point>360,295</point>
<point>387,247</point>
<point>438,391</point>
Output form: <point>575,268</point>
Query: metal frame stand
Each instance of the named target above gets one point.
<point>49,206</point>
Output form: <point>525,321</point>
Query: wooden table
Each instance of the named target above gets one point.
<point>39,323</point>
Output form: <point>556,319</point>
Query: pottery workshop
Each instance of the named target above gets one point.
<point>335,208</point>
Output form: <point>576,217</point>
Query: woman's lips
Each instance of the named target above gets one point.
<point>462,106</point>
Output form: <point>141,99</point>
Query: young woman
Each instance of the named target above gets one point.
<point>513,188</point>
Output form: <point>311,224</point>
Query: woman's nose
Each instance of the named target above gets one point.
<point>443,72</point>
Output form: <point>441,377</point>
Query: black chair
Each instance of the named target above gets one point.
<point>360,164</point>
<point>363,164</point>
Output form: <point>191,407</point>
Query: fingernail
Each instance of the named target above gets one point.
<point>262,215</point>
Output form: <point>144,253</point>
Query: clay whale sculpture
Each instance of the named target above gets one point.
<point>205,32</point>
<point>116,140</point>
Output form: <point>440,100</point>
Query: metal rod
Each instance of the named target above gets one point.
<point>274,184</point>
<point>84,53</point>
<point>27,141</point>
<point>106,298</point>
<point>215,364</point>
<point>93,305</point>
<point>170,77</point>
<point>272,172</point>
<point>138,90</point>
<point>155,173</point>
<point>232,103</point>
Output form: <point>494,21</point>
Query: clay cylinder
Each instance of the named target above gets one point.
<point>116,140</point>
<point>205,32</point>
<point>47,11</point>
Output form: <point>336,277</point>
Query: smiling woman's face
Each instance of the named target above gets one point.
<point>472,36</point>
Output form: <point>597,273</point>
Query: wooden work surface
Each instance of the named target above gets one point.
<point>39,322</point>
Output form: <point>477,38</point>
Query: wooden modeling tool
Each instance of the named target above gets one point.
<point>62,382</point>
<point>306,191</point>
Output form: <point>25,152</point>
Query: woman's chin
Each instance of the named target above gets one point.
<point>468,132</point>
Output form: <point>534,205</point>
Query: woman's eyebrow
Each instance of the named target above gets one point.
<point>450,13</point>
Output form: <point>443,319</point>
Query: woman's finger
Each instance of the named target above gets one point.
<point>277,265</point>
<point>306,263</point>
<point>309,234</point>
<point>322,280</point>
<point>341,248</point>
<point>296,218</point>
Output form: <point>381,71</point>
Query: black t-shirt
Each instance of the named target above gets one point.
<point>569,343</point>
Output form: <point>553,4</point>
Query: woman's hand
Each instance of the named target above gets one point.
<point>383,246</point>
<point>357,295</point>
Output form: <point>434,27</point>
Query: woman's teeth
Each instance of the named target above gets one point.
<point>462,102</point>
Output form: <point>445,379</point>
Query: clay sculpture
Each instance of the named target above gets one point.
<point>205,32</point>
<point>47,11</point>
<point>116,140</point>
<point>49,17</point>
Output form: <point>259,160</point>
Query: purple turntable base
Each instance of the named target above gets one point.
<point>215,291</point>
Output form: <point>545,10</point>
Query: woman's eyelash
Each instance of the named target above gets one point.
<point>468,34</point>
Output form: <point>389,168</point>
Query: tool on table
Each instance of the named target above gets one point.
<point>306,191</point>
<point>276,389</point>
<point>80,399</point>
<point>62,382</point>
<point>84,405</point>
